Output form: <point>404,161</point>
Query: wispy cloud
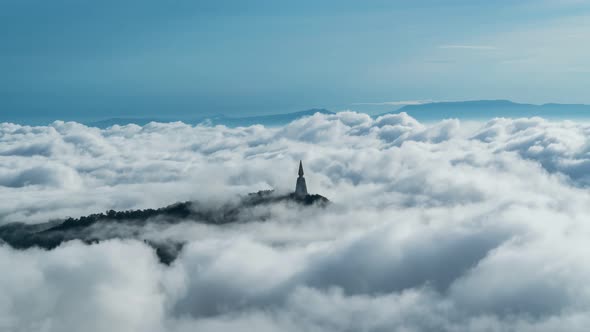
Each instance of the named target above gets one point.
<point>398,103</point>
<point>468,47</point>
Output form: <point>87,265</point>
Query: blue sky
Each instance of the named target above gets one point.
<point>93,59</point>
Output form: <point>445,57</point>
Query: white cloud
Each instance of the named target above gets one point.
<point>433,227</point>
<point>397,103</point>
<point>469,47</point>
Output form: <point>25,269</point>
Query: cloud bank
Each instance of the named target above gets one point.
<point>442,227</point>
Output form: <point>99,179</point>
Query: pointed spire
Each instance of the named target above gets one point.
<point>300,168</point>
<point>301,187</point>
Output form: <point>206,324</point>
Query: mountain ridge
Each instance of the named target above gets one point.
<point>266,120</point>
<point>486,109</point>
<point>467,109</point>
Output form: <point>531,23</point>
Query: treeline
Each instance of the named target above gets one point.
<point>173,212</point>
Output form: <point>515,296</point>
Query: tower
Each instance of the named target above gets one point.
<point>301,188</point>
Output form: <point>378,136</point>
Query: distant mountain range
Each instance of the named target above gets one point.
<point>487,109</point>
<point>265,120</point>
<point>468,110</point>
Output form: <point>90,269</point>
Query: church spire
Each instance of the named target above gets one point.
<point>301,187</point>
<point>300,168</point>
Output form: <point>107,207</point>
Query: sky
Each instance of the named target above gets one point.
<point>83,60</point>
<point>446,225</point>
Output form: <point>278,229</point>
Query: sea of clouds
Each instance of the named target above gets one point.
<point>447,226</point>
